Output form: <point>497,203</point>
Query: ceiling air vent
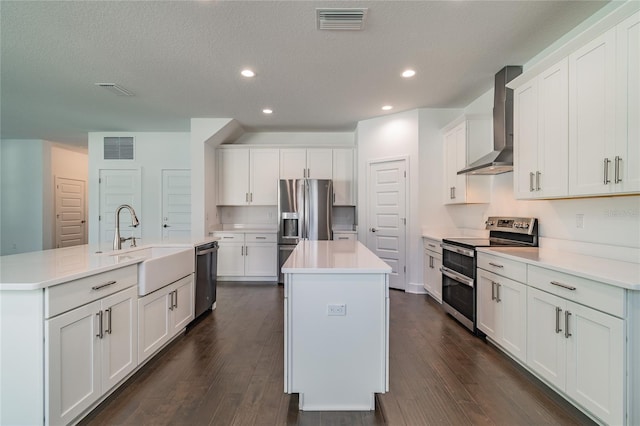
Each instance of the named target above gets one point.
<point>341,19</point>
<point>118,148</point>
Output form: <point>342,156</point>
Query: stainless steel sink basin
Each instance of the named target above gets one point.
<point>162,266</point>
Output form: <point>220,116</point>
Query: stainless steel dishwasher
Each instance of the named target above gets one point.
<point>206,271</point>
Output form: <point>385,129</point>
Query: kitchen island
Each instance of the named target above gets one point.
<point>336,326</point>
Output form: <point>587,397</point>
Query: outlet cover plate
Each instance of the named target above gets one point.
<point>337,309</point>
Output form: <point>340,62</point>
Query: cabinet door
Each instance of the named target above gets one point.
<point>487,314</point>
<point>525,145</point>
<point>261,260</point>
<point>552,179</point>
<point>343,177</point>
<point>233,177</point>
<point>628,105</point>
<point>546,344</point>
<point>591,116</point>
<point>231,259</point>
<point>320,163</point>
<point>264,177</point>
<point>511,298</point>
<point>293,163</point>
<point>183,310</point>
<point>454,159</point>
<point>73,371</point>
<point>120,343</point>
<point>153,323</point>
<point>595,362</point>
<point>432,274</point>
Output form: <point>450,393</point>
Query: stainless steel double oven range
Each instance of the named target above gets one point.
<point>459,296</point>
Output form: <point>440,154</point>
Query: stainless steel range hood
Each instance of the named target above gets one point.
<point>500,160</point>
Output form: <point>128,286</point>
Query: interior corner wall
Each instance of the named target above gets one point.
<point>21,195</point>
<point>391,137</point>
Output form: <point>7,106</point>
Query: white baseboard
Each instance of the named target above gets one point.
<point>415,288</point>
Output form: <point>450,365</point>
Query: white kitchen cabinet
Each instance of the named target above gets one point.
<point>247,176</point>
<point>90,349</point>
<point>344,236</point>
<point>541,145</point>
<point>163,314</point>
<point>432,264</point>
<point>501,312</point>
<point>465,140</point>
<point>312,163</point>
<point>343,177</point>
<point>580,351</point>
<point>247,255</point>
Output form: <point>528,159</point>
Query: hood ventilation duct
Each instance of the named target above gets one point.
<point>500,160</point>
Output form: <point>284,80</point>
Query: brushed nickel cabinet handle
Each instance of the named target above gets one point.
<point>176,302</point>
<point>567,334</point>
<point>432,245</point>
<point>246,251</point>
<point>241,250</point>
<point>617,178</point>
<point>454,192</point>
<point>606,171</point>
<point>108,312</point>
<point>558,312</point>
<point>531,189</point>
<point>568,287</point>
<point>100,286</point>
<point>100,333</point>
<point>171,301</point>
<point>493,290</point>
<point>538,181</point>
<point>496,265</point>
<point>498,300</point>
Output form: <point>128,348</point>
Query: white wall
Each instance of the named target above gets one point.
<point>21,195</point>
<point>297,138</point>
<point>153,152</point>
<point>392,137</point>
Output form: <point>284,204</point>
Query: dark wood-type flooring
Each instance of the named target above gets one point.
<point>228,370</point>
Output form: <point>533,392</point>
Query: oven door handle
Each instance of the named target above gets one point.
<point>456,276</point>
<point>460,250</point>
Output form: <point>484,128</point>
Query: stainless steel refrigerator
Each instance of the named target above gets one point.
<point>304,212</point>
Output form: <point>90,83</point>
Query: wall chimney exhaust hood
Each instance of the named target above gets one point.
<point>500,160</point>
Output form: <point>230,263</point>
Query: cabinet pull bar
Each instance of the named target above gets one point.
<point>100,334</point>
<point>171,301</point>
<point>334,198</point>
<point>558,312</point>
<point>107,284</point>
<point>530,181</point>
<point>251,197</point>
<point>538,181</point>
<point>261,238</point>
<point>108,311</point>
<point>246,197</point>
<point>241,250</point>
<point>246,251</point>
<point>432,245</point>
<point>493,290</point>
<point>606,171</point>
<point>308,173</point>
<point>567,334</point>
<point>454,192</point>
<point>568,287</point>
<point>176,302</point>
<point>496,265</point>
<point>498,300</point>
<point>617,178</point>
<point>343,238</point>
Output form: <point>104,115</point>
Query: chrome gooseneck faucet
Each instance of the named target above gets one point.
<point>117,240</point>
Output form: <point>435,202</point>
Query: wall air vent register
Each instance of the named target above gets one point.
<point>118,148</point>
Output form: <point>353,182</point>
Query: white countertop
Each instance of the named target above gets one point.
<point>339,257</point>
<point>608,271</point>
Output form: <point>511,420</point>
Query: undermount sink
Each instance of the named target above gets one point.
<point>162,266</point>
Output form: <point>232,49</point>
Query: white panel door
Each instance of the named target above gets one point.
<point>153,323</point>
<point>231,259</point>
<point>261,259</point>
<point>176,205</point>
<point>183,309</point>
<point>119,186</point>
<point>387,217</point>
<point>511,299</point>
<point>71,228</point>
<point>487,315</point>
<point>263,184</point>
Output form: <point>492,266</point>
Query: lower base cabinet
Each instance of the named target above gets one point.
<point>432,264</point>
<point>242,255</point>
<point>163,314</point>
<point>90,349</point>
<point>578,350</point>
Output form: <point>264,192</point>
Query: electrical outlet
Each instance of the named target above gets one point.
<point>337,310</point>
<point>580,221</point>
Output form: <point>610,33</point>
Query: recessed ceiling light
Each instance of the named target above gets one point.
<point>247,73</point>
<point>408,73</point>
<point>267,111</point>
<point>387,107</point>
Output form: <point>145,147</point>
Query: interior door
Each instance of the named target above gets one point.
<point>387,217</point>
<point>176,205</point>
<point>71,229</point>
<point>119,186</point>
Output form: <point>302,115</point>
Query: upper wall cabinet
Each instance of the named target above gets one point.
<point>247,176</point>
<point>541,146</point>
<point>462,138</point>
<point>312,163</point>
<point>344,193</point>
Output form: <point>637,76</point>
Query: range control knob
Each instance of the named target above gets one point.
<point>525,225</point>
<point>489,223</point>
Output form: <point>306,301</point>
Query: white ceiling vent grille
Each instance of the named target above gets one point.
<point>115,89</point>
<point>350,19</point>
<point>118,148</point>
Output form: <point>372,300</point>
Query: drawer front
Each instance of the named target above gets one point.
<point>603,297</point>
<point>432,245</point>
<point>344,236</point>
<point>67,296</point>
<point>506,267</point>
<point>260,238</point>
<point>229,237</point>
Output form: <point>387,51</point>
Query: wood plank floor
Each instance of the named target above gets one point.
<point>228,370</point>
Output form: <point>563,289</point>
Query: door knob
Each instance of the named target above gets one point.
<point>166,226</point>
<point>373,229</point>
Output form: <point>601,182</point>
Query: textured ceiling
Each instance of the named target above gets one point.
<point>182,60</point>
